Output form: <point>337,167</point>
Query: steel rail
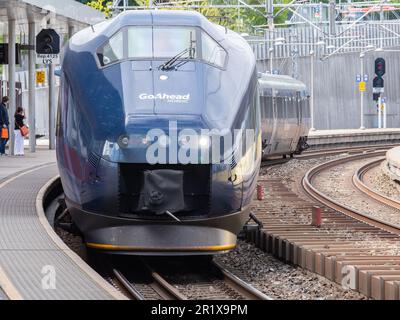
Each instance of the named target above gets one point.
<point>313,192</point>
<point>127,285</point>
<point>358,181</point>
<point>243,288</point>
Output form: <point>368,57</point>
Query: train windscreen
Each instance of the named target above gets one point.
<point>162,42</point>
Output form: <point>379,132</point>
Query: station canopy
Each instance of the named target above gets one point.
<point>66,14</point>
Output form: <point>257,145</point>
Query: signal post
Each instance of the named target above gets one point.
<point>47,52</point>
<point>378,89</point>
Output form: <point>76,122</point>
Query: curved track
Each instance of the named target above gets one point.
<point>358,180</point>
<point>346,241</point>
<point>312,191</point>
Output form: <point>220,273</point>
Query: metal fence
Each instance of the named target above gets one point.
<point>300,40</point>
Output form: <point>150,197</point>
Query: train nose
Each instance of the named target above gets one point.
<point>162,191</point>
<point>166,93</point>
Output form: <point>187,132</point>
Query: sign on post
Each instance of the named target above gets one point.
<point>40,77</point>
<point>378,90</point>
<point>47,59</point>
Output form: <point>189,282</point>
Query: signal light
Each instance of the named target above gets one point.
<point>376,96</point>
<point>378,82</point>
<point>380,67</point>
<point>48,42</point>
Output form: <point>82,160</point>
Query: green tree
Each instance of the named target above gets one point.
<point>100,5</point>
<point>240,20</point>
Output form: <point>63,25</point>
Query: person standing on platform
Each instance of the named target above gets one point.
<point>4,123</point>
<point>19,137</point>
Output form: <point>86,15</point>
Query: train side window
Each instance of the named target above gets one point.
<point>280,105</point>
<point>113,50</point>
<point>305,106</point>
<point>62,101</point>
<point>262,106</point>
<point>212,52</point>
<point>292,106</point>
<point>269,108</point>
<point>71,121</point>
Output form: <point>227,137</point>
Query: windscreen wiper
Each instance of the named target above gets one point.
<point>171,62</point>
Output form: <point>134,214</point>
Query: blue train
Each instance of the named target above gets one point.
<point>159,138</point>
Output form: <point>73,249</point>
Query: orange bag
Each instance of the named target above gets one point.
<point>24,131</point>
<point>4,133</point>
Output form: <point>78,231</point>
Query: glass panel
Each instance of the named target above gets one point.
<point>168,42</point>
<point>160,42</point>
<point>140,43</point>
<point>212,52</point>
<point>113,50</point>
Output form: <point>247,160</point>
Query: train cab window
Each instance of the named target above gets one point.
<point>139,45</point>
<point>113,50</point>
<point>212,52</point>
<point>162,42</point>
<point>170,41</point>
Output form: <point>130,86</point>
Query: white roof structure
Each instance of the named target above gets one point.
<point>65,13</point>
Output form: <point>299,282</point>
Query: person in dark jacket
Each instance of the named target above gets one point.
<point>4,123</point>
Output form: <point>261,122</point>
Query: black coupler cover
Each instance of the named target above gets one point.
<point>162,191</point>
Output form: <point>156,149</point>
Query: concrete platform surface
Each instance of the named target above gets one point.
<point>353,137</point>
<point>11,165</point>
<point>393,163</point>
<point>325,133</point>
<point>34,263</point>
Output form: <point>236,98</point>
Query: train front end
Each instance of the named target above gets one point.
<point>158,135</point>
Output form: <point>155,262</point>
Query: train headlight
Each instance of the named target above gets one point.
<point>194,141</point>
<point>204,142</point>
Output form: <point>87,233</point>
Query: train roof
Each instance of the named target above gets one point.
<point>280,82</point>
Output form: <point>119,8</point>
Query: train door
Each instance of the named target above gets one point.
<point>299,120</point>
<point>274,123</point>
<point>267,118</point>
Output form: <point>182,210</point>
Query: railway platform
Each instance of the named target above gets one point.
<point>34,263</point>
<point>355,137</point>
<point>393,163</point>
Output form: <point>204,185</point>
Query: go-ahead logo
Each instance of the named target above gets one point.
<point>172,98</point>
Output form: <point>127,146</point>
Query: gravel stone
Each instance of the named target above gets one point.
<point>280,280</point>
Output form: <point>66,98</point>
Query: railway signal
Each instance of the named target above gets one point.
<point>378,89</point>
<point>48,42</point>
<point>378,82</point>
<point>48,46</point>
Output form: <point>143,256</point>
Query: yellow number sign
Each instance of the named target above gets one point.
<point>361,86</point>
<point>40,77</point>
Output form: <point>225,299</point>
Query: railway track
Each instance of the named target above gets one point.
<point>362,186</point>
<point>204,281</point>
<point>289,235</point>
<point>336,203</point>
<point>351,248</point>
<point>311,154</point>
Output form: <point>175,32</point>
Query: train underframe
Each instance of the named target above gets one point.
<point>117,235</point>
